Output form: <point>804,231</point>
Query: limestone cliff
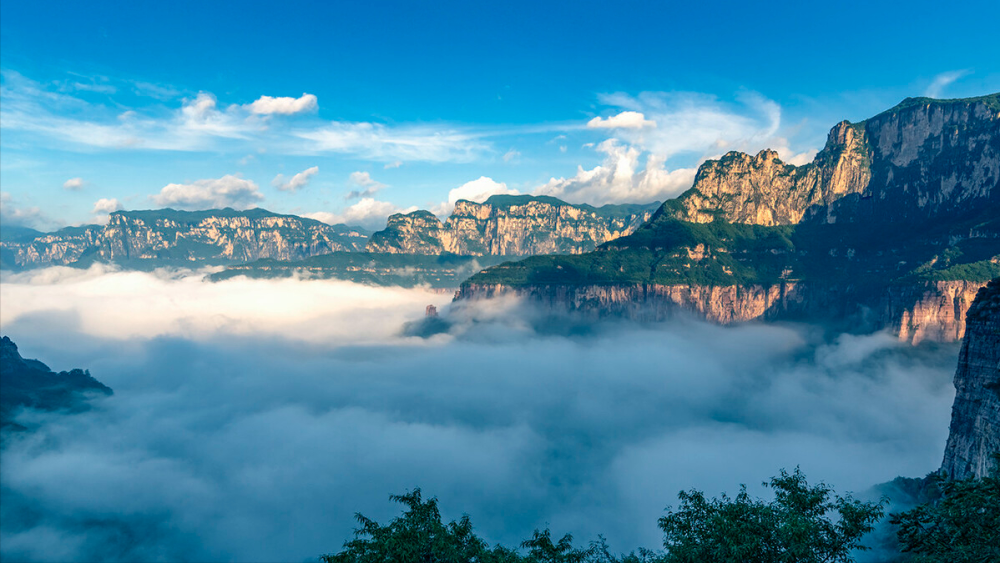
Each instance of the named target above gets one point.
<point>895,224</point>
<point>173,236</point>
<point>975,415</point>
<point>510,226</point>
<point>921,159</point>
<point>932,311</point>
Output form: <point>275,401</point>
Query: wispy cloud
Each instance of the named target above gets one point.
<point>375,141</point>
<point>369,213</point>
<point>943,80</point>
<point>296,182</point>
<point>73,184</point>
<point>624,120</point>
<point>369,186</point>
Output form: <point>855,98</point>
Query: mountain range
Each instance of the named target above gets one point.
<point>895,223</point>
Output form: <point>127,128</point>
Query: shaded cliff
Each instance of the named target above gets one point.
<point>31,384</point>
<point>169,236</point>
<point>897,219</point>
<point>510,226</point>
<point>975,415</point>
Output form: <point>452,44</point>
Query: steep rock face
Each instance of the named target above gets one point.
<point>510,226</point>
<point>927,312</point>
<point>922,159</point>
<point>975,415</point>
<point>218,235</point>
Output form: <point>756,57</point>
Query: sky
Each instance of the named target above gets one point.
<point>349,111</point>
<point>251,419</point>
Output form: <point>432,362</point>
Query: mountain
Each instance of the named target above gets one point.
<point>896,223</point>
<point>506,225</point>
<point>975,415</point>
<point>31,384</point>
<point>165,236</point>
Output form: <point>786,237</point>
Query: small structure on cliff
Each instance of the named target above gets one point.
<point>975,416</point>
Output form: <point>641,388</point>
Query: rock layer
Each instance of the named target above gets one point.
<point>510,226</point>
<point>931,311</point>
<point>219,235</point>
<point>975,415</point>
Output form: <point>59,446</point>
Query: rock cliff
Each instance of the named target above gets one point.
<point>931,311</point>
<point>975,416</point>
<point>896,224</point>
<point>173,236</point>
<point>923,158</point>
<point>510,226</point>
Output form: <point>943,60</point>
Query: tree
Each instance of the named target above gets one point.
<point>802,524</point>
<point>418,536</point>
<point>962,526</point>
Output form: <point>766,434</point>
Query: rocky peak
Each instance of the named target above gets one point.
<point>922,159</point>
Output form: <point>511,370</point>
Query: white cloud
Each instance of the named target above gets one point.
<point>106,205</point>
<point>369,213</point>
<point>378,142</point>
<point>511,155</point>
<point>103,208</point>
<point>13,215</point>
<point>73,184</point>
<point>478,190</point>
<point>620,180</point>
<point>943,80</point>
<point>624,120</point>
<point>267,105</point>
<point>365,181</point>
<point>227,191</point>
<point>296,182</point>
<point>395,164</point>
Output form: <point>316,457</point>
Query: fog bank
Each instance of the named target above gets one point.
<point>251,419</point>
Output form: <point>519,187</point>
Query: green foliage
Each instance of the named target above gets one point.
<point>418,536</point>
<point>962,526</point>
<point>802,525</point>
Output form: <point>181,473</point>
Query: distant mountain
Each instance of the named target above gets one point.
<point>506,225</point>
<point>31,384</point>
<point>896,223</point>
<point>143,239</point>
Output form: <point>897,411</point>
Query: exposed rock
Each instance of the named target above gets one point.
<point>510,226</point>
<point>920,159</point>
<point>221,235</point>
<point>975,416</point>
<point>932,311</point>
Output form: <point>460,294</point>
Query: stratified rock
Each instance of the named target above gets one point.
<point>510,226</point>
<point>975,416</point>
<point>169,236</point>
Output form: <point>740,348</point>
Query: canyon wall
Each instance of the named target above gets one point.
<point>975,415</point>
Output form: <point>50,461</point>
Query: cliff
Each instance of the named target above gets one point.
<point>510,226</point>
<point>975,415</point>
<point>923,158</point>
<point>31,384</point>
<point>896,223</point>
<point>169,236</point>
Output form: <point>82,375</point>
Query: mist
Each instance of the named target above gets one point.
<point>252,418</point>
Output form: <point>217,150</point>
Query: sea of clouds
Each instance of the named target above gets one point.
<point>252,418</point>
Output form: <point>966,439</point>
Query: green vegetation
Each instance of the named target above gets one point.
<point>803,524</point>
<point>961,526</point>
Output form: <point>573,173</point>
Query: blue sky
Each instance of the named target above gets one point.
<point>349,111</point>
